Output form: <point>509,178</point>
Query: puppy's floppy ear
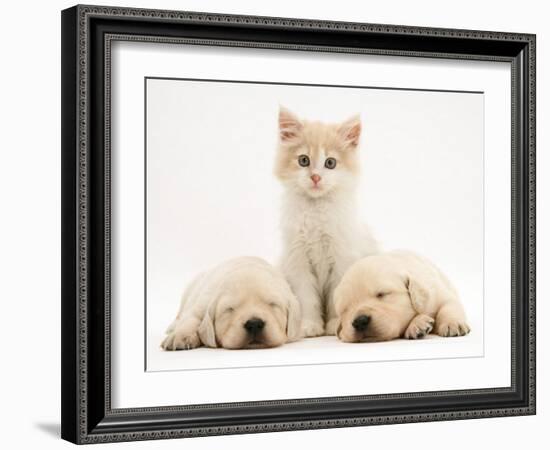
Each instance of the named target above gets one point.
<point>289,125</point>
<point>207,332</point>
<point>338,297</point>
<point>293,318</point>
<point>419,292</point>
<point>350,131</point>
<point>338,328</point>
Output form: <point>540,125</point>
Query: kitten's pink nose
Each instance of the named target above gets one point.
<point>315,178</point>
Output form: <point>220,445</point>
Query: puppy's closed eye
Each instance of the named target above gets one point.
<point>381,295</point>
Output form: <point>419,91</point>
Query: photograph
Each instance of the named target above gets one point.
<point>277,224</point>
<point>312,223</point>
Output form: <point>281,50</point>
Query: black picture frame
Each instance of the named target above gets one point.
<point>87,32</point>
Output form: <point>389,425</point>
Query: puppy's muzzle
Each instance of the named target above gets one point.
<point>360,323</point>
<point>254,326</point>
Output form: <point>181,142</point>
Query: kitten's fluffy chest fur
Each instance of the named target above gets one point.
<point>324,234</point>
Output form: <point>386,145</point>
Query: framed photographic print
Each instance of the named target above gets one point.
<point>281,224</point>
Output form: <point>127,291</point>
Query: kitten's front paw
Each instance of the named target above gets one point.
<point>312,328</point>
<point>331,326</point>
<point>180,340</point>
<point>451,328</point>
<point>419,327</point>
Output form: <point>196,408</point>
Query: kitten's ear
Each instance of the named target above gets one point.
<point>350,130</point>
<point>289,125</point>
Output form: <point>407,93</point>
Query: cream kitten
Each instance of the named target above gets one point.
<point>318,165</point>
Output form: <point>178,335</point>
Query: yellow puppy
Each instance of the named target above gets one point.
<point>242,303</point>
<point>397,294</point>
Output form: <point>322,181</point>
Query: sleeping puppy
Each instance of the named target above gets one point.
<point>397,294</point>
<point>241,303</point>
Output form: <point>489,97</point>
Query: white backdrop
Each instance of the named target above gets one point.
<point>30,192</point>
<point>212,195</point>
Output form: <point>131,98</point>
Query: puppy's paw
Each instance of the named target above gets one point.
<point>181,340</point>
<point>419,327</point>
<point>331,326</point>
<point>312,328</point>
<point>450,328</point>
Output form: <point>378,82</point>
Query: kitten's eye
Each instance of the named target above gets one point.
<point>303,160</point>
<point>381,294</point>
<point>330,163</point>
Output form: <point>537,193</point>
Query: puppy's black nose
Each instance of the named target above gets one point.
<point>254,326</point>
<point>361,322</point>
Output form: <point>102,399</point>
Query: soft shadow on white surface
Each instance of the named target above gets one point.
<point>320,350</point>
<point>52,429</point>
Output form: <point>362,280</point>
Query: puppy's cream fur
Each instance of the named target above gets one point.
<point>218,303</point>
<point>402,294</point>
<point>322,233</point>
